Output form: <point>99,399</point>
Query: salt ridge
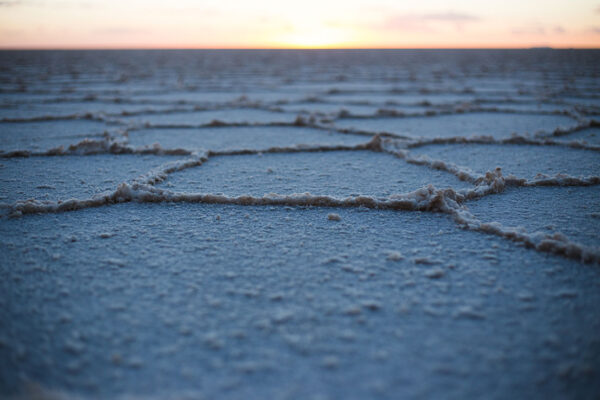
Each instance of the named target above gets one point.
<point>429,198</point>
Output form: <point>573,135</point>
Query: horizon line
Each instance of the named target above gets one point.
<point>113,48</point>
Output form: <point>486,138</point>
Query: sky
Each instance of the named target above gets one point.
<point>299,24</point>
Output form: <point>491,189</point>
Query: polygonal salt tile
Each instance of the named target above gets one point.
<point>591,136</point>
<point>338,173</point>
<point>497,125</point>
<point>68,177</point>
<point>523,161</point>
<point>573,211</point>
<point>329,108</point>
<point>173,97</point>
<point>527,107</point>
<point>227,138</point>
<point>204,98</point>
<point>403,98</point>
<point>66,108</point>
<point>40,136</point>
<point>582,101</point>
<point>231,116</point>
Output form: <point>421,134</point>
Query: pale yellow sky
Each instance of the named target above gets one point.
<point>298,24</point>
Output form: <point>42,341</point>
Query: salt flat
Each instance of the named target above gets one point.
<point>299,225</point>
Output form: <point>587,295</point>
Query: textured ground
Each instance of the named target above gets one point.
<point>297,224</point>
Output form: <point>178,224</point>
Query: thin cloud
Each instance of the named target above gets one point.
<point>425,22</point>
<point>40,3</point>
<point>530,30</point>
<point>594,29</point>
<point>120,30</point>
<point>450,17</point>
<point>10,3</point>
<point>539,30</point>
<point>11,32</point>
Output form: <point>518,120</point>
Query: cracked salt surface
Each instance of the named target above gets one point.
<point>413,268</point>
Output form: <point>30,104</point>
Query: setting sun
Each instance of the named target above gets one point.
<point>313,37</point>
